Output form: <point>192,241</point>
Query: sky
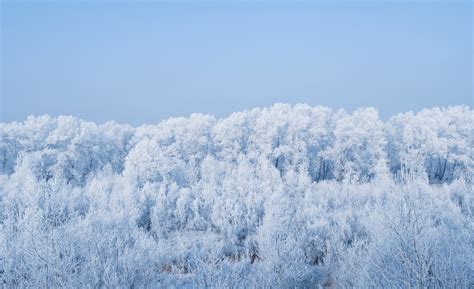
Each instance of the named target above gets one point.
<point>143,61</point>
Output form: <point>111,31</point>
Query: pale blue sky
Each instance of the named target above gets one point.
<point>145,61</point>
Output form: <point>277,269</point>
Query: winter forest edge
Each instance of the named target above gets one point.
<point>279,197</point>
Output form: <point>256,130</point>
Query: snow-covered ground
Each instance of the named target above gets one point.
<point>280,197</point>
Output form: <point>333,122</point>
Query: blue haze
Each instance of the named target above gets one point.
<point>145,61</point>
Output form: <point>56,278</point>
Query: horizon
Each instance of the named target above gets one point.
<point>349,112</point>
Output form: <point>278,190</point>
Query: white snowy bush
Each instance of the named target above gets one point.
<point>279,197</point>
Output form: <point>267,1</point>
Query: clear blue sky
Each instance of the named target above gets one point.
<point>145,61</point>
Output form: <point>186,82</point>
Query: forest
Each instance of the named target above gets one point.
<point>289,196</point>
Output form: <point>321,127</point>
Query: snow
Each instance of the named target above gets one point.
<point>286,196</point>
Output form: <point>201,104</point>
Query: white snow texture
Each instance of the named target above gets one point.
<point>279,197</point>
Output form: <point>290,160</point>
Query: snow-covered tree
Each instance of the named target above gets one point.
<point>285,196</point>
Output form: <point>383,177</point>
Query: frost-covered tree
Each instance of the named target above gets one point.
<point>359,150</point>
<point>435,144</point>
<point>279,197</point>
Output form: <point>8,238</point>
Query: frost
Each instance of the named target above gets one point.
<point>280,197</point>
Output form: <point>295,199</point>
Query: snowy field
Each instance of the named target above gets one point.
<point>279,197</point>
